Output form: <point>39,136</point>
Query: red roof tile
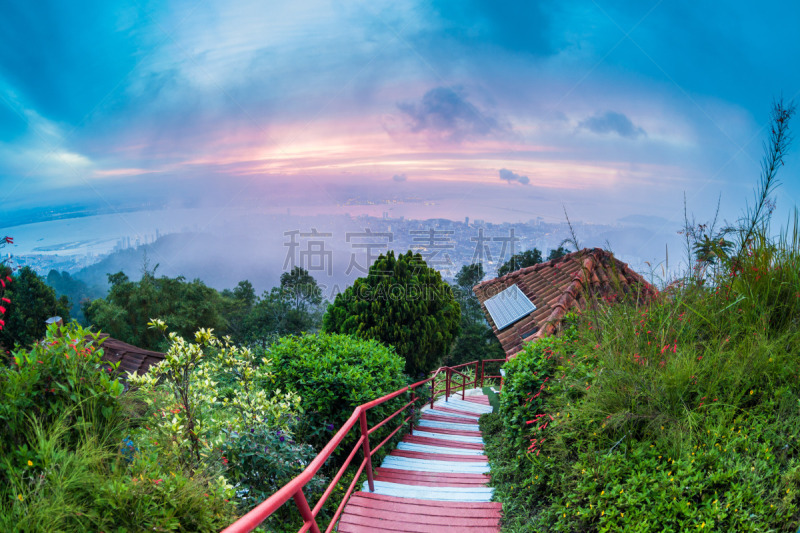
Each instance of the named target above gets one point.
<point>130,358</point>
<point>559,286</point>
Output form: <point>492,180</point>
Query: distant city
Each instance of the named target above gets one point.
<point>336,249</point>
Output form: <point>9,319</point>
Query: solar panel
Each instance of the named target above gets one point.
<point>508,306</point>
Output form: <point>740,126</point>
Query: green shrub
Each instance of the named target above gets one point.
<point>89,486</point>
<point>333,374</point>
<point>192,403</point>
<point>675,415</point>
<point>527,382</point>
<point>63,373</point>
<point>262,460</point>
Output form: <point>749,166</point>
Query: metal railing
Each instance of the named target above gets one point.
<point>294,489</point>
<point>483,371</point>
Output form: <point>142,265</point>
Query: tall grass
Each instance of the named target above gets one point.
<point>673,414</point>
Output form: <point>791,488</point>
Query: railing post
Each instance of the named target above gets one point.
<point>433,390</point>
<point>483,371</point>
<point>463,387</point>
<point>447,385</point>
<point>362,418</point>
<point>413,406</point>
<point>305,510</point>
<point>476,375</point>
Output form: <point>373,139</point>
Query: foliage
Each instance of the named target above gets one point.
<point>675,414</point>
<point>30,303</point>
<point>89,486</point>
<point>237,304</point>
<point>3,281</point>
<point>557,253</point>
<point>61,463</point>
<point>334,374</point>
<point>189,414</point>
<point>525,381</point>
<point>293,308</point>
<point>129,306</point>
<point>520,260</point>
<point>77,292</point>
<point>403,303</point>
<point>262,459</point>
<point>62,373</point>
<point>475,338</point>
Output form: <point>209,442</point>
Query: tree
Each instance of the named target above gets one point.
<point>75,289</point>
<point>184,305</point>
<point>557,253</point>
<point>520,260</point>
<point>237,304</point>
<point>293,308</point>
<point>30,303</point>
<point>403,303</point>
<point>3,269</point>
<point>475,338</point>
<point>299,286</point>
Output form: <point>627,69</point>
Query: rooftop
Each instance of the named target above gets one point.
<point>558,286</point>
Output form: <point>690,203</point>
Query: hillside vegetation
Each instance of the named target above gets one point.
<point>679,413</point>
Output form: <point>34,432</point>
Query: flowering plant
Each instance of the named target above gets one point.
<point>188,417</point>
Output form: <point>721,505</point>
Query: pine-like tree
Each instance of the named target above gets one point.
<point>404,303</point>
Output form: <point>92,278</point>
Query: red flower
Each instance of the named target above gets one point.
<point>6,300</point>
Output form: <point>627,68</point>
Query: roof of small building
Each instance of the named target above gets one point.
<point>130,358</point>
<point>558,286</point>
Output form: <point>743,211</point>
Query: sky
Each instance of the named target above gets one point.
<point>498,110</point>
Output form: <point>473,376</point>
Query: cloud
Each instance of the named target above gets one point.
<point>399,177</point>
<point>445,113</point>
<point>511,177</point>
<point>612,122</point>
<point>520,26</point>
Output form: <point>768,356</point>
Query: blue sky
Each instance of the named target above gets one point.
<point>497,110</point>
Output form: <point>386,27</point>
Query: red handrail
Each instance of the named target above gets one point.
<point>294,489</point>
<point>483,371</point>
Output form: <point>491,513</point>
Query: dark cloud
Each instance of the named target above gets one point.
<point>520,26</point>
<point>511,177</point>
<point>446,113</point>
<point>399,177</point>
<point>612,122</point>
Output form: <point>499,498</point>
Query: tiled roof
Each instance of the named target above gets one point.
<point>558,286</point>
<point>130,357</point>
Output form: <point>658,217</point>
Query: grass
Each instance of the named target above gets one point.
<point>680,413</point>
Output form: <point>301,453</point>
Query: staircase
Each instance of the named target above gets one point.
<point>434,481</point>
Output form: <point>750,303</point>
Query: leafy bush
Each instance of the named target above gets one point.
<point>28,303</point>
<point>334,374</point>
<point>526,375</point>
<point>64,373</point>
<point>683,415</point>
<point>62,461</point>
<point>262,460</point>
<point>189,417</point>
